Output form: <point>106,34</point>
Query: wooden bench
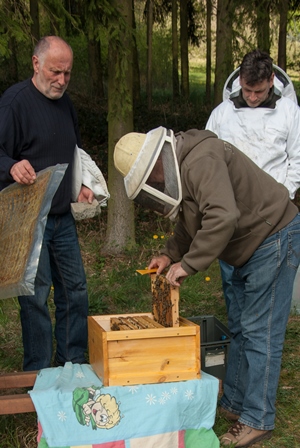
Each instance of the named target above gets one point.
<point>17,402</point>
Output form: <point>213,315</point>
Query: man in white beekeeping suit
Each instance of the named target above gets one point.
<point>261,117</point>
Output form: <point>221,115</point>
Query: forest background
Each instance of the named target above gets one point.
<point>138,65</point>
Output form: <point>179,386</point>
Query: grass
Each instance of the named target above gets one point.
<point>115,287</point>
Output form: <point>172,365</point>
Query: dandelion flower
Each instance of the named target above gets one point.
<point>155,237</point>
<point>162,237</point>
<point>207,279</point>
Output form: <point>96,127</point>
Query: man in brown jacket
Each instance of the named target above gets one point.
<point>227,208</point>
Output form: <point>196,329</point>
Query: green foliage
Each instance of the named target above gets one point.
<point>80,79</point>
<point>11,341</point>
<point>196,14</point>
<point>293,43</point>
<point>14,23</point>
<point>55,16</point>
<point>120,39</point>
<point>161,60</point>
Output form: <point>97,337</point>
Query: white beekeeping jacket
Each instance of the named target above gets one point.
<point>270,137</point>
<point>86,172</point>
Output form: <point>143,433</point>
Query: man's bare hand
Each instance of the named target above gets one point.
<point>85,195</point>
<point>176,274</point>
<point>160,262</point>
<point>23,173</point>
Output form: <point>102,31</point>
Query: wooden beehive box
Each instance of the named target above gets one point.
<point>143,356</point>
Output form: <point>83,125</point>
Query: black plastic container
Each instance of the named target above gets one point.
<point>215,342</point>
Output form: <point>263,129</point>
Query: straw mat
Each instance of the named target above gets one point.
<point>19,211</point>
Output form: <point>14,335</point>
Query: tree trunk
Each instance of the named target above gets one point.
<point>69,6</point>
<point>149,52</point>
<point>184,49</point>
<point>224,64</point>
<point>263,25</point>
<point>136,67</point>
<point>208,53</point>
<point>120,225</point>
<point>35,25</point>
<point>95,67</point>
<point>283,13</point>
<point>94,58</point>
<point>175,75</point>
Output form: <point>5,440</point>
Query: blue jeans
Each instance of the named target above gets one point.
<point>258,312</point>
<point>60,265</point>
<point>226,277</point>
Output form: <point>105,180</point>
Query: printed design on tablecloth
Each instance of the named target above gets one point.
<point>151,399</point>
<point>133,389</point>
<point>95,409</point>
<point>189,394</point>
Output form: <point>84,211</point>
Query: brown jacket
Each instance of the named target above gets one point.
<point>229,205</point>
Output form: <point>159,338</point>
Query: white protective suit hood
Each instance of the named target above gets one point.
<point>282,84</point>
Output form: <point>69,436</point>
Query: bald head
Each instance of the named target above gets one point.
<point>52,64</point>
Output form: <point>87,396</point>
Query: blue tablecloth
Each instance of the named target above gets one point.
<point>74,408</point>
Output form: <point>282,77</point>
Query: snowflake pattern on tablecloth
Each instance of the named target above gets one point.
<point>189,394</point>
<point>62,416</point>
<point>174,390</point>
<point>133,389</point>
<point>150,399</point>
<point>166,395</point>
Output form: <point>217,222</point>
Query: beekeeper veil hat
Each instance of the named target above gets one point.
<point>150,169</point>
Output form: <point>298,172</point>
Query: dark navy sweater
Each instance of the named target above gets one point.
<point>41,130</point>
